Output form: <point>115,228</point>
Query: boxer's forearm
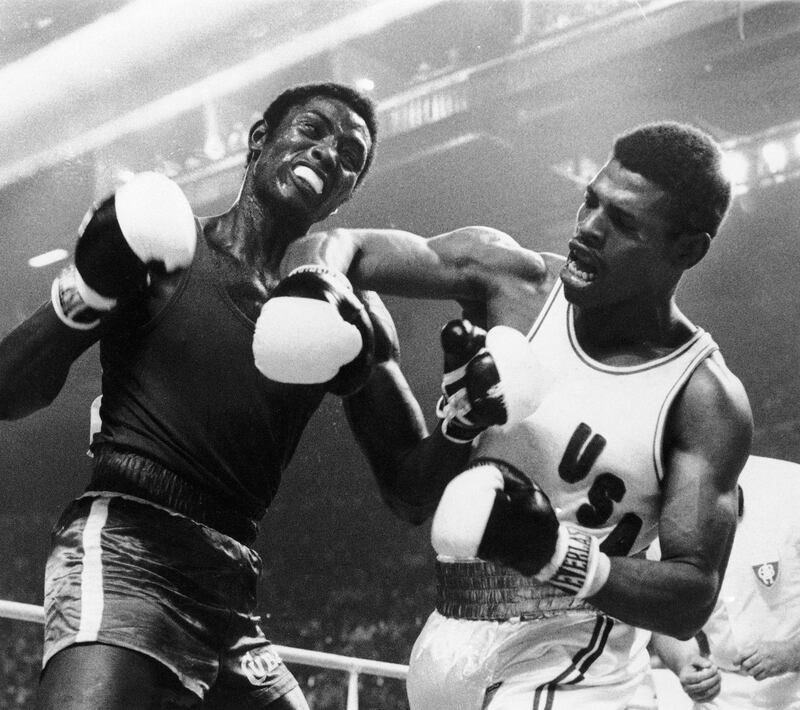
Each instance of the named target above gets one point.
<point>411,467</point>
<point>385,260</point>
<point>35,359</point>
<point>468,263</point>
<point>672,598</point>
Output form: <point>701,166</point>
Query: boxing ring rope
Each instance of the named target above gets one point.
<point>319,659</point>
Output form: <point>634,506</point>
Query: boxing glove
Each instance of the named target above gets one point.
<point>494,512</point>
<point>147,221</point>
<point>489,379</point>
<point>314,330</point>
<point>461,341</point>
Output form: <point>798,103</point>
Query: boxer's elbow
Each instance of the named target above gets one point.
<point>413,512</point>
<point>692,608</point>
<point>407,496</point>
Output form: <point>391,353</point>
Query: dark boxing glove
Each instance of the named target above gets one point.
<point>314,330</point>
<point>461,341</point>
<point>489,379</point>
<point>148,220</point>
<point>494,512</point>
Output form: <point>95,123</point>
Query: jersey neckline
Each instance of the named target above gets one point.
<point>625,369</point>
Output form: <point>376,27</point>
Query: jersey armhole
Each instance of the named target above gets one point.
<point>705,348</point>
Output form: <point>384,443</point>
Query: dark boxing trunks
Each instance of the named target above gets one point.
<point>128,573</point>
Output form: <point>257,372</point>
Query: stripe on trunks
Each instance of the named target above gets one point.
<point>92,573</point>
<point>545,694</point>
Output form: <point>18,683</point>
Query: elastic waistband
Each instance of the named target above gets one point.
<point>482,590</point>
<point>136,475</point>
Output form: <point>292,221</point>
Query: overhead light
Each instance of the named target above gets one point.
<point>579,170</point>
<point>123,175</point>
<point>759,160</point>
<point>736,166</point>
<point>214,147</point>
<point>49,257</point>
<point>365,84</point>
<point>775,156</point>
<point>418,108</point>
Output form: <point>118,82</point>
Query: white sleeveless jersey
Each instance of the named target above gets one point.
<point>594,444</point>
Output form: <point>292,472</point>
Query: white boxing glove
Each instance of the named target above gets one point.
<point>147,221</point>
<point>494,512</point>
<point>313,330</point>
<point>156,220</point>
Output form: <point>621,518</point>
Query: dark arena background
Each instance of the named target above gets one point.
<point>491,113</point>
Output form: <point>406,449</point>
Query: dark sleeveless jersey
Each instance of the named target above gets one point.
<point>183,390</point>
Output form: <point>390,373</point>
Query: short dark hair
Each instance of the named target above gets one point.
<point>685,162</point>
<point>296,95</point>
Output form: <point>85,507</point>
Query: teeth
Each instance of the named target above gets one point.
<point>573,268</point>
<point>308,176</point>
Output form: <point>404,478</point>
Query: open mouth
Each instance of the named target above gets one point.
<point>580,267</point>
<point>308,177</point>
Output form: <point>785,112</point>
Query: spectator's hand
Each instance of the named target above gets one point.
<point>700,679</point>
<point>767,659</point>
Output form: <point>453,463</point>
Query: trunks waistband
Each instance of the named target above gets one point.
<point>135,475</point>
<point>481,590</point>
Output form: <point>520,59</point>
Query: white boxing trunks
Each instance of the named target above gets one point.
<point>499,641</point>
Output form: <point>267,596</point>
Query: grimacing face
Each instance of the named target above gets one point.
<point>312,161</point>
<point>621,250</point>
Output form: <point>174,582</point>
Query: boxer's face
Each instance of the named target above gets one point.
<point>622,249</point>
<point>310,164</point>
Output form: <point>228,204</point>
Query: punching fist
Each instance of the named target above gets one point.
<point>488,379</point>
<point>461,340</point>
<point>314,330</point>
<point>494,512</point>
<point>147,221</point>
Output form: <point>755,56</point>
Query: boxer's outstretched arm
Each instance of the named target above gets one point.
<point>708,437</point>
<point>411,468</point>
<point>470,263</point>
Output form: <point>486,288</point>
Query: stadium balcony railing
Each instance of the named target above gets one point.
<point>354,667</point>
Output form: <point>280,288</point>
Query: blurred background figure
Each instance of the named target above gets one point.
<point>748,654</point>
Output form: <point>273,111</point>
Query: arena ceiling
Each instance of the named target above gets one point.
<point>109,87</point>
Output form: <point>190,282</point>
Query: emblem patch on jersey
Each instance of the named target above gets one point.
<point>766,573</point>
<point>258,664</point>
